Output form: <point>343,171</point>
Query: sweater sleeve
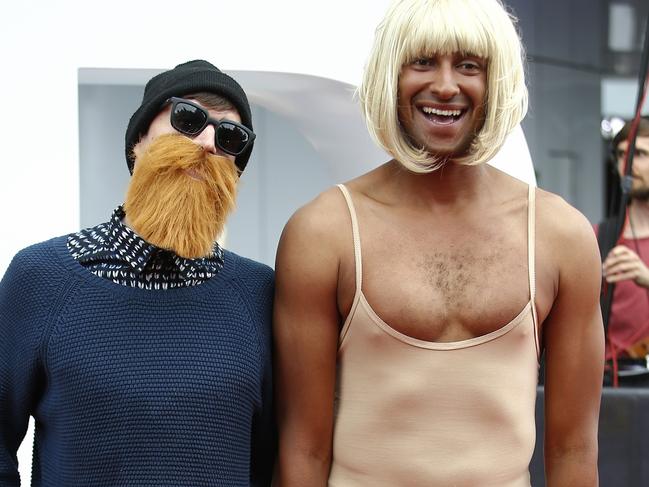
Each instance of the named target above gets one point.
<point>264,434</point>
<point>21,377</point>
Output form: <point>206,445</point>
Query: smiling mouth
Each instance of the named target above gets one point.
<point>442,117</point>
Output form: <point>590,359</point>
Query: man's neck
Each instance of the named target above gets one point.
<point>451,186</point>
<point>639,219</point>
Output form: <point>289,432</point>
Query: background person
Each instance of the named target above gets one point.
<point>626,264</point>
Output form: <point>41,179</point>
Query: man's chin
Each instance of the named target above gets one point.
<point>640,194</point>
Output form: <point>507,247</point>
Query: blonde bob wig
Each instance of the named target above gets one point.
<point>413,29</point>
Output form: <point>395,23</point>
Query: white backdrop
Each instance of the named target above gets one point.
<point>43,43</point>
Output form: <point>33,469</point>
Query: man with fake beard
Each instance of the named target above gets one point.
<point>626,264</point>
<point>140,346</point>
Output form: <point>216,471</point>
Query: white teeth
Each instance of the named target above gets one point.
<point>444,113</point>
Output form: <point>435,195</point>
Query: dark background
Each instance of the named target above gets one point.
<point>573,49</point>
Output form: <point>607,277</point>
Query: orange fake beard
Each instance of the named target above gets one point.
<point>180,196</point>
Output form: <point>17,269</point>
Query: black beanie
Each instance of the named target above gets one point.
<point>187,78</point>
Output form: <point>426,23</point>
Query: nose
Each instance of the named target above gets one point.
<point>444,84</point>
<point>206,139</point>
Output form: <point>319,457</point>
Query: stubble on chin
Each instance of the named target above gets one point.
<point>640,194</point>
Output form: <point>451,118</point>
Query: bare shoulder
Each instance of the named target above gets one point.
<point>567,246</point>
<point>563,225</point>
<point>319,221</point>
<point>326,219</point>
<point>568,272</point>
<point>317,238</point>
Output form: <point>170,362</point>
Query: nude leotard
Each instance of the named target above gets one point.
<point>413,413</point>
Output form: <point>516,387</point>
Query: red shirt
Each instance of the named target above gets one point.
<point>629,320</point>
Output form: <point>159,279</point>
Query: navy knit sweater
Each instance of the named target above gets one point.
<point>134,387</point>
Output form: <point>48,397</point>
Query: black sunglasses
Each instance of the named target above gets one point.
<point>190,119</point>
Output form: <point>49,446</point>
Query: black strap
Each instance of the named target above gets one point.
<point>607,235</point>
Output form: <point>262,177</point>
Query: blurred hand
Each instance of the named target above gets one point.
<point>623,264</point>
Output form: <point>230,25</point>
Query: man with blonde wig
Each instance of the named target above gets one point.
<point>413,302</point>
